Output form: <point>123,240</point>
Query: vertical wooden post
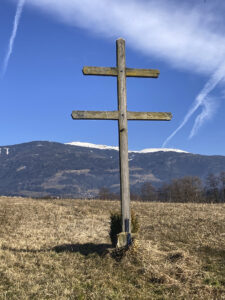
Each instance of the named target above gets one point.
<point>124,238</point>
<point>123,136</point>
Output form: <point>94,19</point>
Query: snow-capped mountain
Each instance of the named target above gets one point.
<point>105,147</point>
<point>79,170</point>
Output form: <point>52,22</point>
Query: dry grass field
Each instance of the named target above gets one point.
<point>60,249</point>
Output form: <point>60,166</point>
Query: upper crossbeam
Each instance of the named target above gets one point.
<point>108,71</point>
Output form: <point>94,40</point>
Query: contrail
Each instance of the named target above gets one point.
<point>208,109</point>
<point>19,11</point>
<point>201,99</point>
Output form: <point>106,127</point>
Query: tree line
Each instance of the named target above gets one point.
<point>185,189</point>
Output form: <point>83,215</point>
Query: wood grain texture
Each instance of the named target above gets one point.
<point>114,115</point>
<point>95,115</point>
<point>144,73</point>
<point>149,116</point>
<point>123,136</point>
<point>101,71</point>
<point>108,71</point>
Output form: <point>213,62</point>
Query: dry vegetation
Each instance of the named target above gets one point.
<point>60,249</point>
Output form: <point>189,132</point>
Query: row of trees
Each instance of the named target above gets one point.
<point>186,189</point>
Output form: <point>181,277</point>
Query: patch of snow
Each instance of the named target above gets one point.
<point>7,151</point>
<point>151,150</point>
<point>105,147</point>
<point>21,168</point>
<point>89,145</point>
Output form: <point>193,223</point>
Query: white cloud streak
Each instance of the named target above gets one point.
<point>19,11</point>
<point>180,32</point>
<point>186,34</point>
<point>208,109</point>
<point>201,100</point>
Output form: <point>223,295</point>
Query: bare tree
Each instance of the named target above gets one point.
<point>222,183</point>
<point>134,196</point>
<point>148,192</point>
<point>105,194</point>
<point>164,193</point>
<point>186,189</point>
<point>212,188</point>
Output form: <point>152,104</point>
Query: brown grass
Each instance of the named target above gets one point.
<point>60,249</point>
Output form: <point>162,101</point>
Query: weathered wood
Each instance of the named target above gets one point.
<point>122,115</point>
<point>144,73</point>
<point>107,71</point>
<point>149,116</point>
<point>95,115</point>
<point>102,71</point>
<point>114,115</point>
<point>125,239</point>
<point>123,136</point>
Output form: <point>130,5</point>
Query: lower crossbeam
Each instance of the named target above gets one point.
<point>114,115</point>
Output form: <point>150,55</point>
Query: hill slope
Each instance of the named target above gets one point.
<point>48,168</point>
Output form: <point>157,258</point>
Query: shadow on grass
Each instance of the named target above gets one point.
<point>213,252</point>
<point>84,249</point>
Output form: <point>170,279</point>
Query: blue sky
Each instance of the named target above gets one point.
<point>41,80</point>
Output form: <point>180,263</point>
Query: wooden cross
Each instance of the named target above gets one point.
<point>122,115</point>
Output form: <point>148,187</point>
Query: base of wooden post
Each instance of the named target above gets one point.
<point>124,239</point>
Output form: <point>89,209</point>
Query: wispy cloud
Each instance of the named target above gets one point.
<point>13,35</point>
<point>208,109</point>
<point>179,32</point>
<point>186,34</point>
<point>201,100</point>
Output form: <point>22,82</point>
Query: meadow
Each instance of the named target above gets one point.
<point>60,249</point>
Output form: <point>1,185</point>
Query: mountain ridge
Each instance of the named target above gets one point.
<point>42,168</point>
